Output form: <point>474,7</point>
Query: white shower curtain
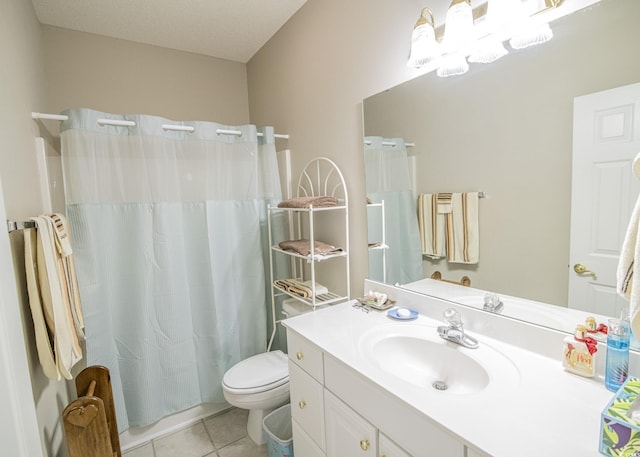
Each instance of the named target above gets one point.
<point>388,179</point>
<point>169,231</point>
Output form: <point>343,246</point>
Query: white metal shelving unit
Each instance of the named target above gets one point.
<point>320,177</point>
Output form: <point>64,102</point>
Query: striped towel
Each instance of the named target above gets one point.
<point>448,224</point>
<point>463,241</point>
<point>431,225</point>
<point>629,262</point>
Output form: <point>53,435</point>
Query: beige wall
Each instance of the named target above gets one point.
<point>117,76</point>
<point>506,129</point>
<point>310,79</point>
<point>22,90</point>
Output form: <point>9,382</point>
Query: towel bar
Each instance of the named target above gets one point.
<point>464,281</point>
<point>12,226</point>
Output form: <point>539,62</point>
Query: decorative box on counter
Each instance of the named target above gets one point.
<point>620,423</point>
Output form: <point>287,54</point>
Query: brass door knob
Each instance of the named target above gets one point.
<point>302,404</point>
<point>299,355</point>
<point>364,445</point>
<point>582,270</point>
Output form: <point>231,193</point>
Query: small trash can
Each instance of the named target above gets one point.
<point>277,426</point>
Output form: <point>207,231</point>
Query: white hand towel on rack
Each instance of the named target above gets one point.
<point>431,224</point>
<point>629,262</point>
<point>44,340</point>
<point>55,299</point>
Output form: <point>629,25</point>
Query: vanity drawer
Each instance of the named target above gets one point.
<point>303,445</point>
<point>306,355</point>
<point>307,404</point>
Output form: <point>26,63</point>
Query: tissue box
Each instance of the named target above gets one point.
<point>620,433</point>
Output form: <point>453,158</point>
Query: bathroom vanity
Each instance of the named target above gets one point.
<point>364,384</point>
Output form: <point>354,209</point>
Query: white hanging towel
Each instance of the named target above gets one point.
<point>629,262</point>
<point>431,224</point>
<point>57,294</point>
<point>462,234</point>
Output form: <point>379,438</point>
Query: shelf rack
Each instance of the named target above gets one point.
<point>320,177</point>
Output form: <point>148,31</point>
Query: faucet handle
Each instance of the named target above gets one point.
<point>452,316</point>
<point>491,299</point>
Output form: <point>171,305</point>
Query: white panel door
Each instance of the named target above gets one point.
<point>606,139</point>
<point>348,434</point>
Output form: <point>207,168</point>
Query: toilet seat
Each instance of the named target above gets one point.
<point>260,373</point>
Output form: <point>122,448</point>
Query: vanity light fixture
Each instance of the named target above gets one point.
<point>458,31</point>
<point>532,31</point>
<point>424,47</point>
<point>458,34</point>
<point>498,20</point>
<point>482,41</point>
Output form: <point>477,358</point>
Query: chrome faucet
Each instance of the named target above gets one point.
<point>454,331</point>
<point>492,303</point>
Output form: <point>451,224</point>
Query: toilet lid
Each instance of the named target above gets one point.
<point>269,369</point>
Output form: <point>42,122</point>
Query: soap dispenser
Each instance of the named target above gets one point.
<point>617,362</point>
<point>579,354</point>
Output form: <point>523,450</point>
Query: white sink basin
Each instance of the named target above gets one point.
<point>415,354</point>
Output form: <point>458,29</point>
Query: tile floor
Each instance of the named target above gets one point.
<point>223,435</point>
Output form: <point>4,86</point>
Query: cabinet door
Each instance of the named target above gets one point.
<point>307,404</point>
<point>303,445</point>
<point>388,448</point>
<point>347,433</point>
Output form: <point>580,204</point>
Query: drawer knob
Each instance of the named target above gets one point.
<point>364,445</point>
<point>299,355</point>
<point>302,404</point>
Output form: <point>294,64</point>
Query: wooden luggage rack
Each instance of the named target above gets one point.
<point>90,424</point>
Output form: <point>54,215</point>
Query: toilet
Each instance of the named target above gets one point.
<point>259,384</point>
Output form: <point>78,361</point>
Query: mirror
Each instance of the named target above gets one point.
<point>506,129</point>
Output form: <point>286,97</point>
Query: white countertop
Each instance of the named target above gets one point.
<point>548,411</point>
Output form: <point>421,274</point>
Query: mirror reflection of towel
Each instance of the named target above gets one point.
<point>463,241</point>
<point>448,224</point>
<point>444,202</point>
<point>431,226</point>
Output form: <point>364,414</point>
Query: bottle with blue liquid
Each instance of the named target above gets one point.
<point>617,362</point>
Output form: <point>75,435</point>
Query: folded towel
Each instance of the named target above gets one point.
<point>431,225</point>
<point>303,247</point>
<point>462,237</point>
<point>629,262</point>
<point>306,202</point>
<point>300,288</point>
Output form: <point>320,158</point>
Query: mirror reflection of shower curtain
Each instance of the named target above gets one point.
<point>388,179</point>
<point>169,233</point>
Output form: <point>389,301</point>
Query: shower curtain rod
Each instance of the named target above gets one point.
<point>180,128</point>
<point>391,143</point>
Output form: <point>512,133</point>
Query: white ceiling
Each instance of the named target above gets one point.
<point>228,29</point>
